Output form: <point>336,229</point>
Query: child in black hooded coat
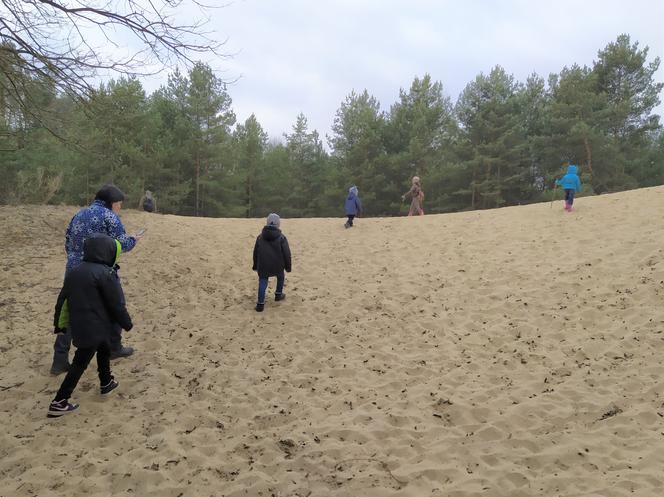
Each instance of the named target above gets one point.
<point>272,257</point>
<point>90,303</point>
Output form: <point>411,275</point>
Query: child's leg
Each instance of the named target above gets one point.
<point>280,283</point>
<point>104,364</point>
<point>82,358</point>
<point>350,219</point>
<point>569,198</point>
<point>116,337</point>
<point>61,352</point>
<point>262,287</point>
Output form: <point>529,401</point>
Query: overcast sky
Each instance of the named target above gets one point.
<point>306,56</point>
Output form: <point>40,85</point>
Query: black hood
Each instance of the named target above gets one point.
<point>270,233</point>
<point>100,248</point>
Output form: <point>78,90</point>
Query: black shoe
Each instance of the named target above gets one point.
<point>60,408</point>
<point>279,296</point>
<point>109,387</point>
<point>59,367</point>
<point>121,352</point>
<point>346,225</point>
<point>260,307</point>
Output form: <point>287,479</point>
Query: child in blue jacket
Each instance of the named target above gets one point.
<point>353,206</point>
<point>571,184</point>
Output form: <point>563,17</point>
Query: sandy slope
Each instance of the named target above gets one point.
<point>514,352</point>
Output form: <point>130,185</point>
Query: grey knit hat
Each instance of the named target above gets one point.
<point>273,220</point>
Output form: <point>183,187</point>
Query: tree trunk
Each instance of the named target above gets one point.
<point>488,183</point>
<point>589,155</point>
<point>198,181</point>
<point>250,191</point>
<point>498,187</point>
<point>110,131</point>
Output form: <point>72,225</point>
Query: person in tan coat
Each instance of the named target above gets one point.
<point>417,197</point>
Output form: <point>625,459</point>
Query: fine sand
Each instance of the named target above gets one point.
<point>513,352</point>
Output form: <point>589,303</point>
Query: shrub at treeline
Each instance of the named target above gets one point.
<point>502,143</point>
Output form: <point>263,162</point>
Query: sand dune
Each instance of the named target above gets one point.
<point>514,352</point>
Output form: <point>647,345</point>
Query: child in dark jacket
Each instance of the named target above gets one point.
<point>271,257</point>
<point>571,184</point>
<point>90,303</point>
<point>353,206</point>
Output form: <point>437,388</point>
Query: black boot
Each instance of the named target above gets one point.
<point>279,296</point>
<point>121,352</point>
<point>60,365</point>
<point>260,307</point>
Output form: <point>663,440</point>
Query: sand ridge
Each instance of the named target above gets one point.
<point>512,352</point>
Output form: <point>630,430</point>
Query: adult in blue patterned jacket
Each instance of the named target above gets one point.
<point>99,217</point>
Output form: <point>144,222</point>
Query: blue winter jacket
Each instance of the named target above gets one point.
<point>353,205</point>
<point>97,218</point>
<point>571,180</point>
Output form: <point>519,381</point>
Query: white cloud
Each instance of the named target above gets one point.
<point>302,56</point>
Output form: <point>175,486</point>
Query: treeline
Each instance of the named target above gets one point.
<point>501,143</point>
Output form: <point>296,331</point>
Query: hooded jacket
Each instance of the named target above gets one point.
<point>97,218</point>
<point>147,202</point>
<point>571,180</point>
<point>91,300</point>
<point>271,253</point>
<point>353,205</point>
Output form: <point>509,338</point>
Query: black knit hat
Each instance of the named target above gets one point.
<point>109,194</point>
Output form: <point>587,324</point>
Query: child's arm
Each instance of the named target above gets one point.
<point>61,316</point>
<point>578,184</point>
<point>255,266</point>
<point>111,292</point>
<point>287,254</point>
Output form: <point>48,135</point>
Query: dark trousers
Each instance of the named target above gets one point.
<point>79,364</point>
<point>63,343</point>
<point>350,219</point>
<point>262,286</point>
<point>569,196</point>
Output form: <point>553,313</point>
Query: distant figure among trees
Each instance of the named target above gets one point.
<point>417,197</point>
<point>148,203</point>
<point>571,184</point>
<point>353,206</point>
